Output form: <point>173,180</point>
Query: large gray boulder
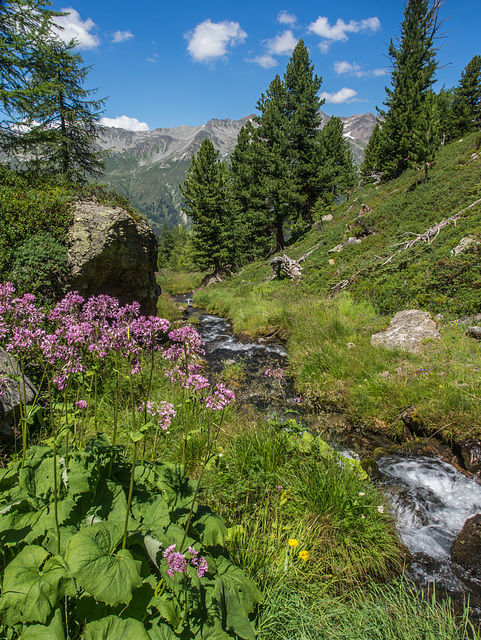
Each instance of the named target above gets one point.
<point>9,393</point>
<point>407,331</point>
<point>112,253</point>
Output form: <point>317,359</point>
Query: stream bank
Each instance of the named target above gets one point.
<point>431,498</point>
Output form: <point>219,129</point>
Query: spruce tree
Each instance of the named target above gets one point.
<point>413,58</point>
<point>24,24</point>
<point>370,167</point>
<point>304,125</point>
<point>467,99</point>
<point>204,193</point>
<point>249,207</point>
<point>63,121</point>
<point>278,185</point>
<point>428,134</point>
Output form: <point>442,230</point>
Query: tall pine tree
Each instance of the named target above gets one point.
<point>467,99</point>
<point>304,126</point>
<point>205,200</point>
<point>413,58</point>
<point>338,175</point>
<point>63,121</point>
<point>24,24</point>
<point>251,226</point>
<point>278,185</point>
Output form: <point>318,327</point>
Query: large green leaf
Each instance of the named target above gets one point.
<point>238,596</point>
<point>107,575</point>
<point>211,528</point>
<point>52,631</point>
<point>32,586</point>
<point>161,631</point>
<point>114,628</point>
<point>153,515</point>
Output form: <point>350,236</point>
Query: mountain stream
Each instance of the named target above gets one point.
<point>430,498</point>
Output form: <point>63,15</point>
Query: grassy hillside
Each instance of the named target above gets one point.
<point>344,297</point>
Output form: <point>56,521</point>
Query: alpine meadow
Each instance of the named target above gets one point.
<point>240,392</point>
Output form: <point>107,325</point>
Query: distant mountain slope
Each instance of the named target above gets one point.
<point>148,166</point>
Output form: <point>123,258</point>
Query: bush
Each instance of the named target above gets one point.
<point>41,267</point>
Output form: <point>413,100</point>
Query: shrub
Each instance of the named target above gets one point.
<point>40,266</point>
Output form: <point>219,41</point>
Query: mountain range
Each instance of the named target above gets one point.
<point>148,166</point>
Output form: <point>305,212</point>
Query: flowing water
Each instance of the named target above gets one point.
<point>431,499</point>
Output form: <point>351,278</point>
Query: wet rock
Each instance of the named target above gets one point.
<point>9,394</point>
<point>469,453</point>
<point>113,254</point>
<point>407,331</point>
<point>466,550</point>
<point>474,332</point>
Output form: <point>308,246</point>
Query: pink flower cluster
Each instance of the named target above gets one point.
<point>163,412</point>
<point>221,398</point>
<point>76,332</point>
<point>274,373</point>
<point>178,563</point>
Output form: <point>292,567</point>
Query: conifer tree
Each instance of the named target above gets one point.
<point>249,207</point>
<point>23,25</point>
<point>414,66</point>
<point>63,121</point>
<point>428,134</point>
<point>338,175</point>
<point>304,125</point>
<point>467,99</point>
<point>205,200</point>
<point>278,185</point>
<point>370,167</point>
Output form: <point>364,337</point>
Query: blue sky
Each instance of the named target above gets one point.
<point>166,64</point>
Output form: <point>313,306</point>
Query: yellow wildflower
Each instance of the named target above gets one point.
<point>292,542</point>
<point>304,555</point>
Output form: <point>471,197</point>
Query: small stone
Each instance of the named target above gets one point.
<point>327,217</point>
<point>351,345</point>
<point>474,332</point>
<point>332,261</point>
<point>464,243</point>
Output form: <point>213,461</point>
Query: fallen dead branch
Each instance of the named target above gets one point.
<point>427,237</point>
<point>431,234</point>
<point>283,265</point>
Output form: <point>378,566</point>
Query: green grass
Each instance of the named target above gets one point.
<point>382,612</point>
<point>178,282</point>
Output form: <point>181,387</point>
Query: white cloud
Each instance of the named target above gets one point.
<point>339,30</point>
<point>75,28</point>
<point>341,96</point>
<point>267,62</point>
<point>282,45</point>
<point>286,18</point>
<point>120,36</point>
<point>353,69</point>
<point>343,66</point>
<point>124,122</point>
<point>210,40</point>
